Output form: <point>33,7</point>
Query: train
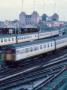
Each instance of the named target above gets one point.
<point>19,38</point>
<point>18,52</point>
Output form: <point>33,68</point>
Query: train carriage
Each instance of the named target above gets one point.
<point>19,38</point>
<point>28,49</point>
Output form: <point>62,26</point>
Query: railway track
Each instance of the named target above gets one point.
<point>28,77</point>
<point>37,61</point>
<point>10,75</point>
<point>38,87</point>
<point>33,73</point>
<point>9,71</point>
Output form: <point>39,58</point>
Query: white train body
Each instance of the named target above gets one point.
<point>39,48</point>
<point>35,49</point>
<point>5,40</point>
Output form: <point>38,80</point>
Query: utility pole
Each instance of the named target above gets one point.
<point>22,5</point>
<point>33,5</point>
<point>55,7</point>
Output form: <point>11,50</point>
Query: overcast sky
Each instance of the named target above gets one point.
<point>10,9</point>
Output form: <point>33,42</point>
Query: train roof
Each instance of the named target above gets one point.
<point>30,43</point>
<point>48,30</point>
<point>6,35</point>
<point>10,35</point>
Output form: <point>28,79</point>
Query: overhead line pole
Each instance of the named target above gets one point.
<point>33,5</point>
<point>22,5</point>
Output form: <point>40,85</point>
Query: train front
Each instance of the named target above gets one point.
<point>9,55</point>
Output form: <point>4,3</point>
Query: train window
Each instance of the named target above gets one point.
<point>35,35</point>
<point>40,46</point>
<point>27,49</point>
<point>44,46</point>
<point>19,38</point>
<point>31,49</point>
<point>22,38</point>
<point>12,39</point>
<point>36,48</point>
<point>51,44</point>
<point>48,45</point>
<point>5,40</point>
<point>8,39</point>
<point>1,40</point>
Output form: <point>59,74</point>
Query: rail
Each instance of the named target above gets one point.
<point>38,87</point>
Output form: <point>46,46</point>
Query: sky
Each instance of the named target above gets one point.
<point>10,9</point>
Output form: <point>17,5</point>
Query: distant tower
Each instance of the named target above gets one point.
<point>32,19</point>
<point>55,17</point>
<point>35,18</point>
<point>44,17</point>
<point>22,16</point>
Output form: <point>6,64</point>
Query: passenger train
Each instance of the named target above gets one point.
<point>19,38</point>
<point>18,52</point>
